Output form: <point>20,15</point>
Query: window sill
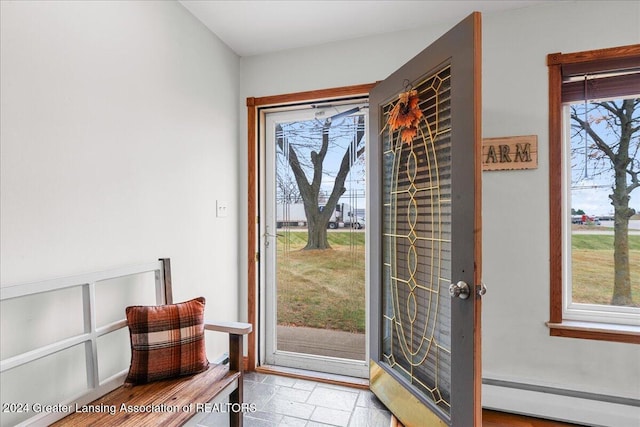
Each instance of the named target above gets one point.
<point>595,331</point>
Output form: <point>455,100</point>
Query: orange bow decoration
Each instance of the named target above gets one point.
<point>406,115</point>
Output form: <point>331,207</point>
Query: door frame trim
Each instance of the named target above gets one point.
<point>254,105</point>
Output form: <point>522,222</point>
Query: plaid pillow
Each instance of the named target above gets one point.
<point>166,341</point>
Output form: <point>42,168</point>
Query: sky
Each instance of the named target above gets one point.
<point>596,202</point>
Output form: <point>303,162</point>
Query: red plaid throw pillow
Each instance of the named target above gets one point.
<point>166,341</point>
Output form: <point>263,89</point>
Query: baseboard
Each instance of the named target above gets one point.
<point>320,377</point>
<point>568,406</point>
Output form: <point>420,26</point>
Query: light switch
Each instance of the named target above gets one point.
<point>222,208</point>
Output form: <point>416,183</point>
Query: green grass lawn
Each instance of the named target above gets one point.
<point>322,288</point>
<point>325,288</point>
<point>592,268</point>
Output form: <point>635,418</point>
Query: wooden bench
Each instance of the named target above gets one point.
<point>169,402</point>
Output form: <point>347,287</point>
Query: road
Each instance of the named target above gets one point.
<point>606,227</point>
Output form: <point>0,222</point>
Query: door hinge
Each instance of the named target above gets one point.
<point>257,256</point>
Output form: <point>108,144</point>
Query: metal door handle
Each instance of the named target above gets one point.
<point>459,290</point>
<point>266,236</point>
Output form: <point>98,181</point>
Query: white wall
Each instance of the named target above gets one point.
<point>516,343</point>
<point>119,130</point>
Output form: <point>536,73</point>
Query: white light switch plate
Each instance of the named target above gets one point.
<point>222,208</point>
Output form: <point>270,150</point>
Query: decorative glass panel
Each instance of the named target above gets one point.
<point>416,247</point>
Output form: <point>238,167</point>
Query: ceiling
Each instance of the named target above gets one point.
<point>256,27</point>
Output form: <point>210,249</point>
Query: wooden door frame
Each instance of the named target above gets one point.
<point>254,105</point>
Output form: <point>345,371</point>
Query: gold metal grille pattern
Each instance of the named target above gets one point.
<point>416,245</point>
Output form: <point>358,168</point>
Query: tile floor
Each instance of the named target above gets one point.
<point>283,401</point>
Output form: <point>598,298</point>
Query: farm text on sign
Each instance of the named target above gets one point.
<point>510,153</point>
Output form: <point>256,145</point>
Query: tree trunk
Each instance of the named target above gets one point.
<point>622,213</point>
<point>317,233</point>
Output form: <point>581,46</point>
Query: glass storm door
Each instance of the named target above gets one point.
<point>425,234</point>
<point>314,238</point>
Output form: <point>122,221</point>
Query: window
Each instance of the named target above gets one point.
<point>594,162</point>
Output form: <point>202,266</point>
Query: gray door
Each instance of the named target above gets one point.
<point>426,242</point>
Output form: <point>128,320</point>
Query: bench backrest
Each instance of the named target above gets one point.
<point>22,359</point>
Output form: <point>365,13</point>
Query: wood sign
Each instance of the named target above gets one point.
<point>510,153</point>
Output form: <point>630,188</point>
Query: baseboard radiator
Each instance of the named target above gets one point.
<point>558,404</point>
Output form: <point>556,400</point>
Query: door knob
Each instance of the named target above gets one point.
<point>459,290</point>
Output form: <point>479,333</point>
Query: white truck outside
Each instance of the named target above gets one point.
<point>293,215</point>
<point>290,215</point>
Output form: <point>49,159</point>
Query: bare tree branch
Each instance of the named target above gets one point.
<point>309,176</point>
<point>594,136</point>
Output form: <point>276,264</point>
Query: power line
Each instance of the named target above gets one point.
<point>589,187</point>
